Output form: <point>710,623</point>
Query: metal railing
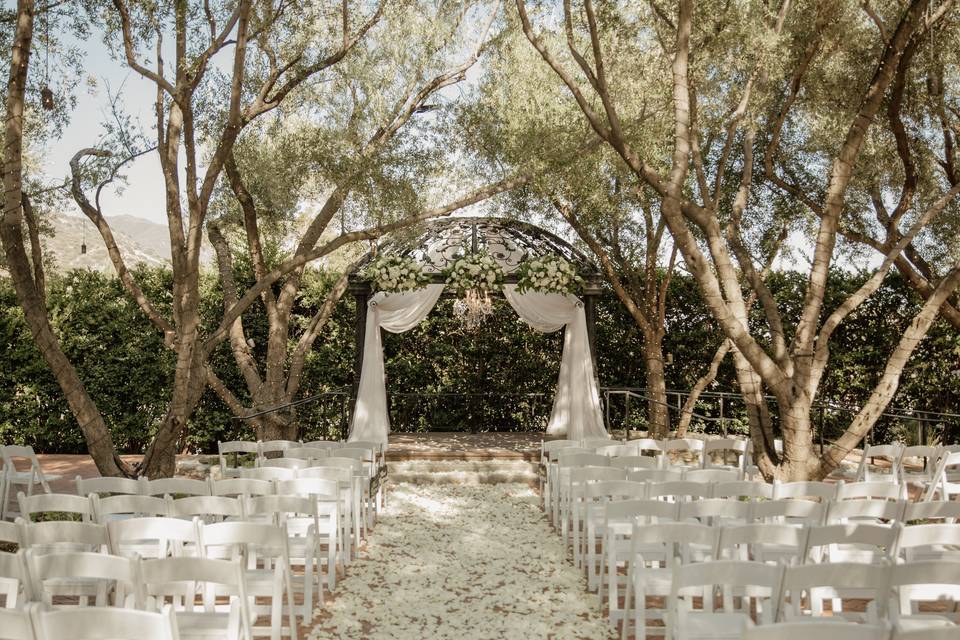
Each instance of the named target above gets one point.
<point>716,412</point>
<point>725,412</point>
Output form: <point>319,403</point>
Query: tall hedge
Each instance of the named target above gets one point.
<point>439,377</point>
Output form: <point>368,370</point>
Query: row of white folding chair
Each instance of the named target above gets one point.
<point>906,464</point>
<point>11,477</point>
<point>845,631</point>
<point>372,451</point>
<point>778,590</point>
<point>945,482</point>
<point>626,525</point>
<point>37,623</point>
<point>262,484</point>
<point>881,501</point>
<point>149,583</point>
<point>157,536</point>
<point>354,490</point>
<point>763,593</point>
<point>289,529</point>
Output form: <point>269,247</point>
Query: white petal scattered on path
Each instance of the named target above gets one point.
<point>462,562</point>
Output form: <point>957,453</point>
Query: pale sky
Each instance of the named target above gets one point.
<point>143,196</point>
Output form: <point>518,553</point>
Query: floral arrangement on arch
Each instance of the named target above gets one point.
<point>474,272</point>
<point>547,274</point>
<point>394,274</point>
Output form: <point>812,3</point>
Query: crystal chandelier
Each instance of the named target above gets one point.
<point>473,309</point>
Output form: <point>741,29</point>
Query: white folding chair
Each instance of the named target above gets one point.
<point>596,497</point>
<point>717,451</point>
<point>240,450</point>
<point>649,447</point>
<point>655,475</point>
<point>634,463</point>
<point>98,623</point>
<point>571,510</point>
<point>946,477</point>
<point>917,464</point>
<point>175,487</point>
<point>683,453</point>
<point>618,450</point>
<point>123,506</point>
<point>274,446</point>
<point>679,490</point>
<point>268,473</point>
<point>64,535</point>
<point>869,510</point>
<point>827,629</point>
<point>181,579</point>
<point>929,543</point>
<point>804,490</point>
<point>153,537</point>
<point>323,444</point>
<point>947,511</point>
<point>10,533</point>
<point>617,549</point>
<point>349,504</point>
<point>940,633</point>
<point>836,581</point>
<point>716,512</point>
<point>11,454</point>
<point>60,506</point>
<point>934,583</point>
<point>869,471</point>
<point>596,443</point>
<point>746,588</point>
<point>712,475</point>
<point>790,511</point>
<point>559,475</point>
<point>207,509</point>
<point>852,542</point>
<point>298,516</point>
<point>874,490</point>
<point>285,463</point>
<point>107,486</point>
<point>763,542</point>
<point>237,487</point>
<point>548,448</point>
<point>89,578</point>
<point>654,548</point>
<point>265,556</point>
<point>307,453</point>
<point>17,624</point>
<point>329,532</point>
<point>367,479</point>
<point>751,490</point>
<point>15,585</point>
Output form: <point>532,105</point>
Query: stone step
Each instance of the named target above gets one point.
<point>462,471</point>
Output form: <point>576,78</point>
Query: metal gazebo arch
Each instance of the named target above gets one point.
<point>438,243</point>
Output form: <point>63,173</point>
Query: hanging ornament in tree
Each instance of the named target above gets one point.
<point>46,93</point>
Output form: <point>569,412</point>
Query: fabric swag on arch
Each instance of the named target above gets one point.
<point>576,405</point>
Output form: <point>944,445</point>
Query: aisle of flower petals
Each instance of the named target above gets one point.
<point>464,562</point>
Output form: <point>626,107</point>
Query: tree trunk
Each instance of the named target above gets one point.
<point>686,414</point>
<point>658,415</point>
<point>799,462</point>
<point>95,431</point>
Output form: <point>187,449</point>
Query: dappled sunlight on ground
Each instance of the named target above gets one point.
<point>464,562</point>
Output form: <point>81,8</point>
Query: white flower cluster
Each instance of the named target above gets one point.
<point>393,274</point>
<point>478,271</point>
<point>548,274</point>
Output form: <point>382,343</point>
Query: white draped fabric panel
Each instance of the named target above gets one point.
<point>576,405</point>
<point>395,312</point>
